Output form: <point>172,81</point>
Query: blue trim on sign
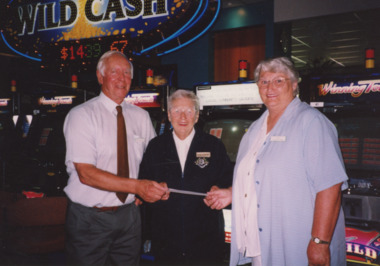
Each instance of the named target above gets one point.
<point>17,52</point>
<point>193,23</point>
<point>196,37</point>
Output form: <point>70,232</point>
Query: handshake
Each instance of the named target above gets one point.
<point>151,191</point>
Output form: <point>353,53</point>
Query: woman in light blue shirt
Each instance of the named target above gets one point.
<point>286,197</point>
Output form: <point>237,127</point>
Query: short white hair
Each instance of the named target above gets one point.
<point>101,65</point>
<point>278,65</point>
<point>184,94</point>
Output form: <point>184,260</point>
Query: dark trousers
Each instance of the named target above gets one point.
<point>103,238</point>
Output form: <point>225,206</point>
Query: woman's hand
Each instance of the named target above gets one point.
<point>318,254</point>
<point>218,198</point>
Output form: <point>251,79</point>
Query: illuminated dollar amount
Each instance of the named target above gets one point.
<point>119,45</point>
<point>90,50</point>
<point>84,53</point>
<point>75,52</point>
<point>64,54</point>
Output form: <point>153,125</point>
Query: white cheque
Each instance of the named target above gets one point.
<point>173,190</point>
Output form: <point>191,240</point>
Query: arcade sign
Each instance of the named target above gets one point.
<point>5,105</point>
<point>56,100</point>
<point>141,27</point>
<point>349,91</point>
<point>54,104</point>
<point>144,99</point>
<point>363,246</point>
<point>354,89</point>
<point>4,101</point>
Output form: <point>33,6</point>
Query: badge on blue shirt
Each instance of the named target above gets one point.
<point>278,138</point>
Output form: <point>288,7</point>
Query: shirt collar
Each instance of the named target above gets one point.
<point>109,104</point>
<point>290,110</point>
<point>187,140</point>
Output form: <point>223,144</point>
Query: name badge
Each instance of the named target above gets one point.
<point>203,154</point>
<point>278,138</point>
<point>201,161</point>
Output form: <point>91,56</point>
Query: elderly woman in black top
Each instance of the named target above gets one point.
<point>184,229</point>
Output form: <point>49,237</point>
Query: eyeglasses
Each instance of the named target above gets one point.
<point>276,82</point>
<point>188,112</point>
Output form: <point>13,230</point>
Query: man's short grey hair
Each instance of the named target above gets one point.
<point>184,94</point>
<point>101,63</point>
<point>278,65</point>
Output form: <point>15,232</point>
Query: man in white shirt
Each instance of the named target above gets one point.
<point>101,228</point>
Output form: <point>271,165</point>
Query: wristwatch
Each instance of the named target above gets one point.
<point>317,240</point>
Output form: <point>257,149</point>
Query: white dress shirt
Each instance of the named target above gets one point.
<point>91,137</point>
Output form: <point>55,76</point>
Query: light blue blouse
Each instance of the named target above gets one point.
<point>300,157</point>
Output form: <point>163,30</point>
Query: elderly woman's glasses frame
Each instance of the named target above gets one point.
<point>188,112</point>
<point>276,82</point>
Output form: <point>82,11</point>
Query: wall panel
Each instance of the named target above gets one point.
<point>234,45</point>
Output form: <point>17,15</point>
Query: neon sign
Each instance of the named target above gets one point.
<point>82,53</point>
<point>148,27</point>
<point>43,16</point>
<point>345,90</point>
<point>144,99</point>
<point>57,100</point>
<point>355,90</point>
<point>4,101</point>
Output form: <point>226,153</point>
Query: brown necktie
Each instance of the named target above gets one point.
<point>122,151</point>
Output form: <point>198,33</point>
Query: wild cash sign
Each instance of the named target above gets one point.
<point>62,14</point>
<point>29,23</point>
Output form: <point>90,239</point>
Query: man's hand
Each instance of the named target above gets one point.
<point>318,254</point>
<point>138,202</point>
<point>151,191</point>
<point>218,198</point>
<point>167,192</point>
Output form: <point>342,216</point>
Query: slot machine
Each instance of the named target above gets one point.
<point>39,163</point>
<point>227,109</point>
<point>152,93</point>
<point>352,103</point>
<point>152,100</point>
<point>7,136</point>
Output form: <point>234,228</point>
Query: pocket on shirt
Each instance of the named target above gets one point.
<point>138,147</point>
